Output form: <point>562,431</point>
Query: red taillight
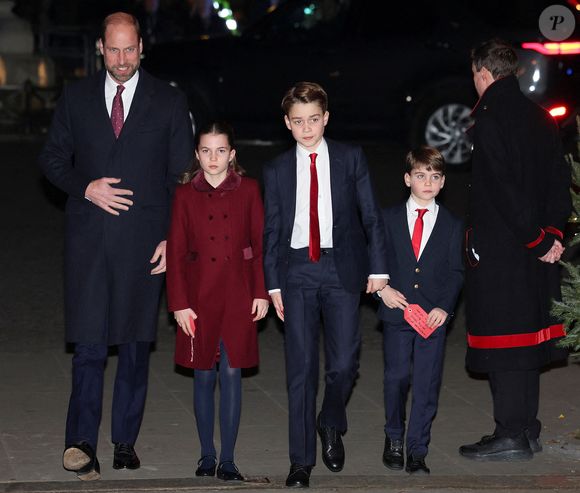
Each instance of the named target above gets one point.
<point>565,48</point>
<point>558,111</point>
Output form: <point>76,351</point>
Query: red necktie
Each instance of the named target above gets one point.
<point>117,117</point>
<point>314,238</point>
<point>418,231</point>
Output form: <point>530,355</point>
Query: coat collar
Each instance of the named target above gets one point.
<point>231,182</point>
<point>495,94</point>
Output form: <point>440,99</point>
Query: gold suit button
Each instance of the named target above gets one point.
<point>416,286</point>
<point>417,270</point>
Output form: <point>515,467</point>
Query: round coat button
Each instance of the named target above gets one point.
<point>416,286</point>
<point>417,270</point>
<point>213,259</point>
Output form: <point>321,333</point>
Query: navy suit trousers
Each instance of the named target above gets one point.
<point>313,289</point>
<point>86,400</point>
<point>411,359</point>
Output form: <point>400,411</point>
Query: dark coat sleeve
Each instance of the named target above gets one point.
<point>511,202</point>
<point>56,158</point>
<point>447,297</point>
<point>370,216</point>
<point>272,225</point>
<point>181,145</point>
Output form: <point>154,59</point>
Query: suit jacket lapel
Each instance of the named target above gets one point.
<point>288,185</point>
<point>402,232</point>
<point>336,177</point>
<point>438,233</point>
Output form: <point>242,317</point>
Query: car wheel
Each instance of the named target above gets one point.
<point>442,122</point>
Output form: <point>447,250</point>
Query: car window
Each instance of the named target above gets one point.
<point>299,21</point>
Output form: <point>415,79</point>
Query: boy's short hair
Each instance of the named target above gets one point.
<point>305,92</point>
<point>426,156</point>
<point>497,56</point>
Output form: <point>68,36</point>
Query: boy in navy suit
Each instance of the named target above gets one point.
<point>323,238</point>
<point>425,268</point>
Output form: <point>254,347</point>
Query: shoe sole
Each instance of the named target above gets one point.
<point>89,476</point>
<point>393,467</point>
<point>504,456</point>
<point>124,466</point>
<point>74,459</point>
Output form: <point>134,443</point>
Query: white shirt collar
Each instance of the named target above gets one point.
<point>412,206</point>
<point>111,85</point>
<point>304,153</point>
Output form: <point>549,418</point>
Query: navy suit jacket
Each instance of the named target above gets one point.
<point>358,235</point>
<point>436,279</point>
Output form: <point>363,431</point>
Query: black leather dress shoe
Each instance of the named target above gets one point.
<point>416,465</point>
<point>227,471</point>
<point>332,447</point>
<point>393,454</point>
<point>82,459</point>
<point>206,466</point>
<point>494,448</point>
<point>299,476</point>
<point>125,457</point>
<point>535,443</point>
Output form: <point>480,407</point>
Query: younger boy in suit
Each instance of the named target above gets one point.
<point>425,268</point>
<point>323,237</point>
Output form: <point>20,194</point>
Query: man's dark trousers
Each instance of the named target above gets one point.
<point>85,405</point>
<point>313,288</point>
<point>516,396</point>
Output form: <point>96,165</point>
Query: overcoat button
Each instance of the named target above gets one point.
<point>210,217</point>
<point>212,238</point>
<point>213,259</point>
<point>225,216</point>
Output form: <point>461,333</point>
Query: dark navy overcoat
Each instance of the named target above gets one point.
<point>110,295</point>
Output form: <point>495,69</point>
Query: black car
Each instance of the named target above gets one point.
<point>400,69</point>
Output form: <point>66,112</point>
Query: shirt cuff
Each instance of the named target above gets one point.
<point>272,291</point>
<point>379,276</point>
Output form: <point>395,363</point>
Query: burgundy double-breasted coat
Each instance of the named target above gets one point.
<point>214,267</point>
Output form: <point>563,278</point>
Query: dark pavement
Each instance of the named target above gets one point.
<point>35,377</point>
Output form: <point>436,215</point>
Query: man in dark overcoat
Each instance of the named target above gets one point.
<point>519,205</point>
<point>118,142</point>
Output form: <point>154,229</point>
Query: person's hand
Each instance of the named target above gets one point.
<point>278,305</point>
<point>553,255</point>
<point>436,317</point>
<point>259,308</point>
<point>374,285</point>
<point>393,298</point>
<point>159,255</point>
<point>183,319</point>
<point>103,195</point>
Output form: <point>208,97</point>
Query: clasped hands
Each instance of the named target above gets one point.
<point>111,200</point>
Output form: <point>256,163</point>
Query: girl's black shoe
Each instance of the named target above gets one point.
<point>229,472</point>
<point>206,466</point>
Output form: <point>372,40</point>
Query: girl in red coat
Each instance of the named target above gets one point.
<point>215,287</point>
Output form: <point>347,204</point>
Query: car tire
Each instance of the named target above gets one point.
<point>441,121</point>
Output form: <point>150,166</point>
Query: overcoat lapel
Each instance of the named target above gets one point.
<point>141,101</point>
<point>98,109</point>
